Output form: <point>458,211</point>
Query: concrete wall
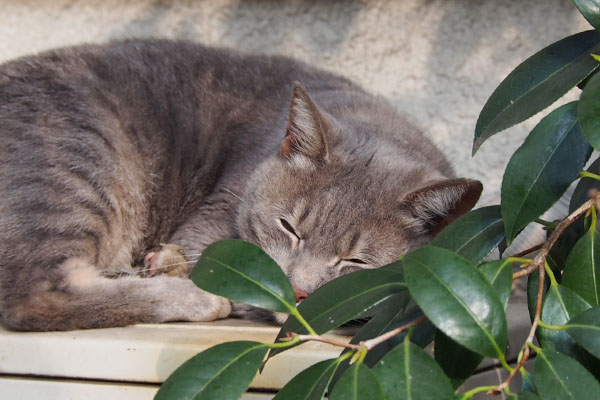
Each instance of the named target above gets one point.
<point>436,60</point>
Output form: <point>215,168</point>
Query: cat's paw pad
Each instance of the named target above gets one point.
<point>169,259</point>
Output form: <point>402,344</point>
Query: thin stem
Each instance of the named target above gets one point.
<point>587,174</point>
<point>553,281</point>
<point>474,391</point>
<point>528,251</point>
<point>519,260</point>
<point>287,343</point>
<point>552,327</point>
<point>369,344</point>
<point>547,224</point>
<point>294,311</point>
<point>534,325</point>
<point>333,342</point>
<point>540,258</point>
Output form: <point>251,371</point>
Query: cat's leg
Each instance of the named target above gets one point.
<point>77,296</point>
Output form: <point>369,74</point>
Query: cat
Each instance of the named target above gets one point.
<point>108,151</point>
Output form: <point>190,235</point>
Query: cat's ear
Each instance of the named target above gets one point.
<point>307,128</point>
<point>441,202</point>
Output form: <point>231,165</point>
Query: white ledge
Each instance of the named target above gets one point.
<point>146,353</point>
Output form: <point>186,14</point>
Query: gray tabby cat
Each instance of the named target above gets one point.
<point>108,151</point>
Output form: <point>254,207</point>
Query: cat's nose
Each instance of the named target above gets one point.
<point>300,294</point>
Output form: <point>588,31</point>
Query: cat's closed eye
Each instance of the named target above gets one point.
<point>356,261</point>
<point>289,230</point>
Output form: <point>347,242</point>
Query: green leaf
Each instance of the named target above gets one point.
<point>590,10</point>
<point>344,299</point>
<point>241,271</point>
<point>581,191</point>
<point>458,362</point>
<point>391,314</point>
<point>582,271</point>
<point>527,396</point>
<point>474,235</point>
<point>357,383</point>
<point>533,281</point>
<point>407,372</point>
<point>499,274</point>
<point>457,299</point>
<point>542,169</point>
<point>537,83</point>
<point>560,306</point>
<point>221,372</point>
<point>559,377</point>
<point>588,109</point>
<point>311,383</point>
<point>585,329</point>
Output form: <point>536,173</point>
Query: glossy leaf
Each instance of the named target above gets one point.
<point>537,83</point>
<point>582,271</point>
<point>581,191</point>
<point>527,396</point>
<point>590,9</point>
<point>499,274</point>
<point>357,383</point>
<point>221,372</point>
<point>474,235</point>
<point>560,306</point>
<point>458,362</point>
<point>457,299</point>
<point>527,384</point>
<point>542,169</point>
<point>392,313</point>
<point>588,111</point>
<point>408,372</point>
<point>344,299</point>
<point>309,384</point>
<point>581,195</point>
<point>585,329</point>
<point>559,377</point>
<point>241,271</point>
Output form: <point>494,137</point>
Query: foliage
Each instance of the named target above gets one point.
<point>444,285</point>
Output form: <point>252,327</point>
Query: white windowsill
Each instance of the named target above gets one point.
<point>131,362</point>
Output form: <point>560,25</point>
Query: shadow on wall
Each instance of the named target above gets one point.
<point>469,25</point>
<point>254,25</point>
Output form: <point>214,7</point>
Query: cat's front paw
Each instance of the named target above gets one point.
<point>169,259</point>
<point>181,300</point>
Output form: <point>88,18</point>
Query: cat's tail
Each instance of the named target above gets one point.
<point>78,297</point>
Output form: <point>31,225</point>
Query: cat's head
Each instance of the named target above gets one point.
<point>337,198</point>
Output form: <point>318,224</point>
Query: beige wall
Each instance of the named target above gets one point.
<point>436,60</point>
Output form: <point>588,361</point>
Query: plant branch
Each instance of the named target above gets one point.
<point>367,344</point>
<point>540,258</point>
<point>528,251</point>
<point>333,342</point>
<point>526,349</point>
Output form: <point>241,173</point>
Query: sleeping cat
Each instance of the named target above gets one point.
<point>107,151</point>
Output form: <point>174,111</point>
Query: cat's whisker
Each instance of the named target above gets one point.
<point>233,194</point>
<point>172,265</point>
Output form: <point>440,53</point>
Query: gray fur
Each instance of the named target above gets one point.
<point>108,151</point>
